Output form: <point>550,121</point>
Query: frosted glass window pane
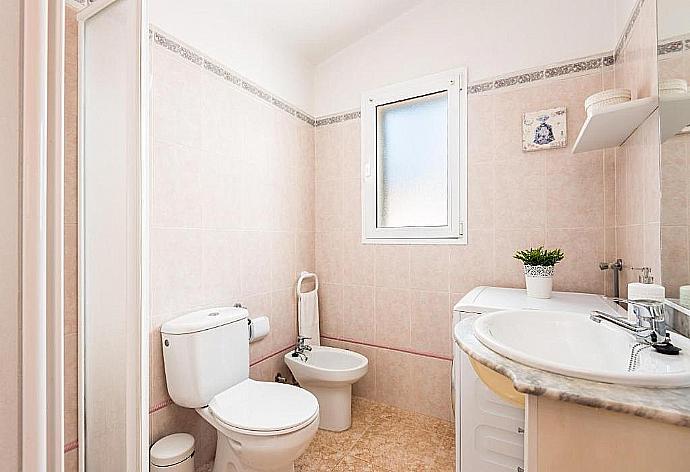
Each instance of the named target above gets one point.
<point>412,167</point>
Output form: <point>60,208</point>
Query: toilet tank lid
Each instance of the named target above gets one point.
<point>202,320</point>
<point>172,449</point>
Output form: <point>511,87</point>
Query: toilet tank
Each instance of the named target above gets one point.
<point>205,352</point>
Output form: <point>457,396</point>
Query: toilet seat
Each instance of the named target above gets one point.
<point>264,408</point>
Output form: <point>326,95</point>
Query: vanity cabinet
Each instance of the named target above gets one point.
<point>567,437</point>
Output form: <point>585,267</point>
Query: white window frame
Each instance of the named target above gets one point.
<point>454,82</point>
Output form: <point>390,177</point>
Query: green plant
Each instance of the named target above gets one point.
<point>540,256</point>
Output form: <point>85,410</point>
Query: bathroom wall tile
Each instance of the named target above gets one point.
<point>358,260</point>
<point>674,181</point>
<point>480,128</point>
<point>71,279</point>
<point>176,193</point>
<point>394,378</point>
<point>329,151</point>
<point>158,390</point>
<point>429,267</point>
<point>283,318</point>
<point>71,415</point>
<point>176,270</point>
<point>431,314</point>
<point>520,192</point>
<point>431,381</point>
<point>177,107</point>
<point>609,188</point>
<point>72,461</point>
<point>393,317</point>
<point>509,271</point>
<point>652,248</point>
<point>282,260</point>
<point>358,313</point>
<point>352,156</point>
<point>222,125</point>
<point>392,266</point>
<point>329,256</point>
<point>221,267</point>
<point>305,259</point>
<point>329,205</point>
<point>584,249</point>
<point>574,196</point>
<point>481,196</point>
<point>676,252</point>
<point>255,262</point>
<point>220,192</point>
<point>471,265</point>
<point>352,205</point>
<point>331,309</point>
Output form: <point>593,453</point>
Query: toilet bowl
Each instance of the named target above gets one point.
<point>329,373</point>
<point>261,426</point>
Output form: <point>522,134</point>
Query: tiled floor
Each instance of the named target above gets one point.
<point>382,439</point>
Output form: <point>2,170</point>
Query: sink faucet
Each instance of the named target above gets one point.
<point>301,346</point>
<point>650,327</point>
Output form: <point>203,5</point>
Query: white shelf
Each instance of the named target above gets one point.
<point>611,126</point>
<point>675,114</point>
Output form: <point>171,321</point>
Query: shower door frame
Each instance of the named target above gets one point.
<point>140,134</point>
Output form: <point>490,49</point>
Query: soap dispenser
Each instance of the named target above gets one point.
<point>644,289</point>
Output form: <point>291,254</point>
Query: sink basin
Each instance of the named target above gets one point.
<point>572,344</point>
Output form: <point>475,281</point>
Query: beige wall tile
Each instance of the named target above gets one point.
<point>431,314</point>
<point>393,317</point>
<point>394,378</point>
<point>392,266</point>
<point>583,249</point>
<point>221,268</point>
<point>472,265</point>
<point>71,387</point>
<point>331,309</point>
<point>358,260</point>
<point>358,313</point>
<point>429,267</point>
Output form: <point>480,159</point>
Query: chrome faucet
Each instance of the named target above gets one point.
<point>301,346</point>
<point>650,327</point>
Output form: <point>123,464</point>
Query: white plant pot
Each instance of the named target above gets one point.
<point>539,281</point>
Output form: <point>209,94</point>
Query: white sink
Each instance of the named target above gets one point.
<point>572,344</point>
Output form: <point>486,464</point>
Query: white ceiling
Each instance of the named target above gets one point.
<point>314,29</point>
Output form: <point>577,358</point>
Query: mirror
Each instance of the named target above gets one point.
<point>673,54</point>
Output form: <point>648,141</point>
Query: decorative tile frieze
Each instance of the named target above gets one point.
<point>670,47</point>
<point>623,41</point>
<point>548,72</point>
<point>329,120</point>
<point>206,63</point>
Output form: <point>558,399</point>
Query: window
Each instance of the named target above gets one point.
<point>414,161</point>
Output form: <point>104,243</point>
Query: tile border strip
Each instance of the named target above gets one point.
<point>195,57</point>
<point>189,54</point>
<point>547,72</point>
<point>672,45</point>
<point>388,348</point>
<point>623,41</point>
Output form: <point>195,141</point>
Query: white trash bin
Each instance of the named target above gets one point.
<point>174,453</point>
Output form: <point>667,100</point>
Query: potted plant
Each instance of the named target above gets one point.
<point>539,264</point>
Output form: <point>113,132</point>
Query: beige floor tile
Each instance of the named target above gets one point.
<point>352,464</point>
<point>383,439</point>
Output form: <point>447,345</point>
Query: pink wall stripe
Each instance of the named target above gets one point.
<point>160,405</point>
<point>408,351</point>
<point>71,446</point>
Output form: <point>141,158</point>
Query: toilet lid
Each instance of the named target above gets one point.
<point>264,406</point>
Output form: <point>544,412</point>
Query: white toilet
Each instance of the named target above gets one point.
<point>329,373</point>
<point>261,426</point>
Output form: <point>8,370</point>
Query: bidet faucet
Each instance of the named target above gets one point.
<point>650,326</point>
<point>301,346</point>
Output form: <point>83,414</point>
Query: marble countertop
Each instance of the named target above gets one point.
<point>669,405</point>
